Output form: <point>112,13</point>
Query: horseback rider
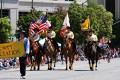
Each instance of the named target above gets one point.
<point>92,40</point>
<point>70,35</point>
<point>36,36</point>
<point>92,37</point>
<point>51,35</point>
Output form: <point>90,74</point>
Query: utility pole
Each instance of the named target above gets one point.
<point>32,10</point>
<point>32,4</point>
<point>83,3</point>
<point>1,10</point>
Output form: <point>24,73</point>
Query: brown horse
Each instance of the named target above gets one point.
<point>35,55</point>
<point>92,52</point>
<point>50,53</point>
<point>68,52</point>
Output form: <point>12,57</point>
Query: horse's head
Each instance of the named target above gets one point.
<point>33,45</point>
<point>31,40</point>
<point>68,42</point>
<point>48,44</point>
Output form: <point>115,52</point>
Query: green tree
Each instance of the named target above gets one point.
<point>24,21</point>
<point>75,13</point>
<point>57,20</point>
<point>5,30</point>
<point>100,20</point>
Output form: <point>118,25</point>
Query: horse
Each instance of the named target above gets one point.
<point>92,52</point>
<point>50,53</point>
<point>35,55</point>
<point>68,52</point>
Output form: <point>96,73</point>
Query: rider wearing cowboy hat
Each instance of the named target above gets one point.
<point>70,35</point>
<point>51,35</point>
<point>92,37</point>
<point>35,36</point>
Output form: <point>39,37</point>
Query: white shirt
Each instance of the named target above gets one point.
<point>51,34</point>
<point>35,37</point>
<point>93,38</point>
<point>69,34</point>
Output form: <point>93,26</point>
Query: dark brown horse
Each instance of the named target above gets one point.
<point>50,53</point>
<point>35,55</point>
<point>92,52</point>
<point>68,52</point>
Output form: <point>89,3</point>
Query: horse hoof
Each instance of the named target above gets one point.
<point>38,69</point>
<point>66,69</point>
<point>91,69</point>
<point>34,68</point>
<point>70,68</point>
<point>96,69</point>
<point>50,68</point>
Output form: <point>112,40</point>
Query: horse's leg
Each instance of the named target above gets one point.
<point>39,61</point>
<point>48,62</point>
<point>89,61</point>
<point>66,61</point>
<point>54,60</point>
<point>35,62</point>
<point>38,64</point>
<point>31,63</point>
<point>93,60</point>
<point>51,63</point>
<point>48,65</point>
<point>62,58</point>
<point>72,61</point>
<point>96,61</point>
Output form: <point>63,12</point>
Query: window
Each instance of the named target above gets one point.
<point>5,12</point>
<point>23,13</point>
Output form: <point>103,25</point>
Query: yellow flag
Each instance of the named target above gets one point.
<point>12,49</point>
<point>86,25</point>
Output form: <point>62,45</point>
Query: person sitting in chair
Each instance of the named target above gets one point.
<point>51,35</point>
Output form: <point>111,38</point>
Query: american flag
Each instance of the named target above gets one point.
<point>44,26</point>
<point>31,28</point>
<point>43,23</point>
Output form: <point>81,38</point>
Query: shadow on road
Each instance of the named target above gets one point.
<point>9,79</point>
<point>81,70</point>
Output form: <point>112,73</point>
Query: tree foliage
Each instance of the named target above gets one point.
<point>57,20</point>
<point>5,30</point>
<point>24,21</point>
<point>100,20</point>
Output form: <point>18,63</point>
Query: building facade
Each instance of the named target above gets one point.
<point>15,8</point>
<point>112,6</point>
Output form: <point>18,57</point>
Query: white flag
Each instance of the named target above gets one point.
<point>66,21</point>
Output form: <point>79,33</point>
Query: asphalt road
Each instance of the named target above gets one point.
<point>106,71</point>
